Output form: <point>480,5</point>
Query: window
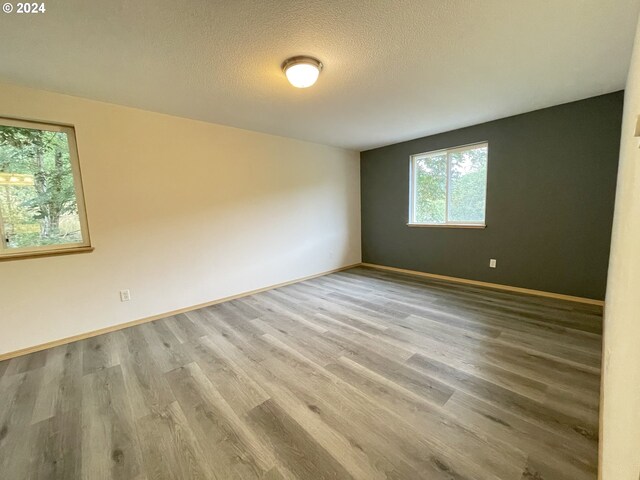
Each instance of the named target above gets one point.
<point>449,187</point>
<point>41,201</point>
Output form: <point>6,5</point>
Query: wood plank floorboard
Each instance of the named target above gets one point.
<point>362,374</point>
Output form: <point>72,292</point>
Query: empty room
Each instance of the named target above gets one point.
<point>308,240</point>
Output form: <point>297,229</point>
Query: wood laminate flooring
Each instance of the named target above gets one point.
<point>360,374</point>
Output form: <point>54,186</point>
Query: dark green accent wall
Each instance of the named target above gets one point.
<point>550,197</point>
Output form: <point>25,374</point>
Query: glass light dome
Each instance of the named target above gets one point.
<point>302,72</point>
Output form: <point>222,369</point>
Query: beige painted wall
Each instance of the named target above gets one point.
<point>620,432</point>
<point>180,212</point>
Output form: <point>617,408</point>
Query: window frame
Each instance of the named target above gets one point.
<point>62,249</point>
<point>412,190</point>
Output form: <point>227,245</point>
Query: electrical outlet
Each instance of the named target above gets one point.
<point>492,263</point>
<point>125,295</point>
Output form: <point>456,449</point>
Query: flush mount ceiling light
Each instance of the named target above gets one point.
<point>302,72</point>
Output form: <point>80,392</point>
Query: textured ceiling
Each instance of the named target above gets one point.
<point>394,69</point>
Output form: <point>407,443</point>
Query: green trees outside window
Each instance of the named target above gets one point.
<point>39,188</point>
<point>449,186</point>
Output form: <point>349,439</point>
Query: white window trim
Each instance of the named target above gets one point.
<point>412,193</point>
<point>45,250</point>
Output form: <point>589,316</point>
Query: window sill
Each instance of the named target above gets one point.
<point>48,253</point>
<point>445,225</point>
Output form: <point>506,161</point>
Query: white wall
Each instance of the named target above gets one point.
<point>620,430</point>
<point>180,212</point>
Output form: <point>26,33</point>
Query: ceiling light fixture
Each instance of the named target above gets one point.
<point>302,72</point>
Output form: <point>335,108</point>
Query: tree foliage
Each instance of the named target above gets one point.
<point>32,214</point>
<point>431,189</point>
<point>462,198</point>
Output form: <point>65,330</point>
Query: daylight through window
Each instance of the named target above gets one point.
<point>449,187</point>
<point>41,200</point>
